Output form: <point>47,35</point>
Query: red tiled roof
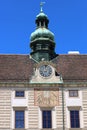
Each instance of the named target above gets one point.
<point>73,67</point>
<point>16,68</point>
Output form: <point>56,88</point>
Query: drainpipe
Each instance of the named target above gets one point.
<point>63,108</point>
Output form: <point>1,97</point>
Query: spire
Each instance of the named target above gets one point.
<point>41,6</point>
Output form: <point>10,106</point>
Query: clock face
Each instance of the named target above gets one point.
<point>45,70</point>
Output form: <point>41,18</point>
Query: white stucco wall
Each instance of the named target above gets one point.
<point>71,103</point>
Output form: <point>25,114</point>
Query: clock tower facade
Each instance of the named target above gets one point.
<point>42,46</point>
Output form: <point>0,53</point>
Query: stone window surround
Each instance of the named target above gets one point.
<point>13,117</point>
<point>71,90</point>
<point>53,110</point>
<point>79,108</point>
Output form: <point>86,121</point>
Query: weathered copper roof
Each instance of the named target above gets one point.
<point>19,68</point>
<point>41,15</point>
<point>42,33</point>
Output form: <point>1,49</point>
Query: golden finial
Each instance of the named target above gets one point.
<point>41,6</point>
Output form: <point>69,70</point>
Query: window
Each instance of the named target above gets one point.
<point>19,119</point>
<point>19,94</point>
<point>73,93</point>
<point>74,119</point>
<point>47,119</point>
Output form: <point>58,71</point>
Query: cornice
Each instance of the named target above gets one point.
<point>43,85</point>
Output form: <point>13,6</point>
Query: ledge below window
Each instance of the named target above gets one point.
<point>19,129</point>
<point>75,128</point>
<point>47,129</point>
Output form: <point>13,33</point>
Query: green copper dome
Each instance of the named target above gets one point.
<point>42,30</point>
<point>42,33</point>
<point>42,41</point>
<point>41,15</point>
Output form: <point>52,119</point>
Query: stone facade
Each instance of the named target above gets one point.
<point>5,108</point>
<point>33,115</point>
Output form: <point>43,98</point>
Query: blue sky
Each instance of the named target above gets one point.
<point>68,21</point>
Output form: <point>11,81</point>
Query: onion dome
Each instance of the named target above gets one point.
<point>42,30</point>
<point>41,15</point>
<point>42,41</point>
<point>42,33</point>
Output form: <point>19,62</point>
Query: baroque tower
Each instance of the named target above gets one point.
<point>42,41</point>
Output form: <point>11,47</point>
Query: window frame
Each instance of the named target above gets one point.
<point>73,95</point>
<point>75,119</point>
<point>48,110</point>
<point>15,119</point>
<point>20,96</point>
